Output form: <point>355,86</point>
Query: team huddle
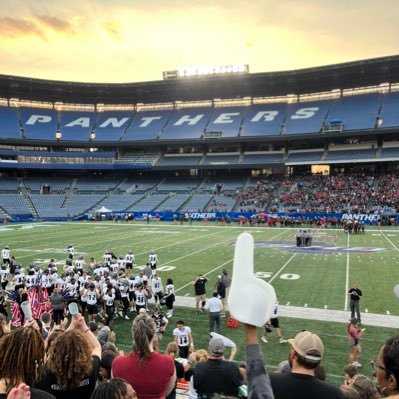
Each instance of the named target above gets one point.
<point>108,287</point>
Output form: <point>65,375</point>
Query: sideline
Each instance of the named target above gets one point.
<point>296,312</point>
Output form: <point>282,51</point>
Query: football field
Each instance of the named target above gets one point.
<point>316,277</point>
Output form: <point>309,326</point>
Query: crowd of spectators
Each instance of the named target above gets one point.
<point>318,193</point>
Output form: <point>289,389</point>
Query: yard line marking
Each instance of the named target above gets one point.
<point>218,267</point>
<point>390,241</point>
<point>347,276</point>
<point>282,268</point>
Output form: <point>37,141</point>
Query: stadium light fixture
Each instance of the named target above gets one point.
<point>58,135</point>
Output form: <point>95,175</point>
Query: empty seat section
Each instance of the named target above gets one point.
<point>390,152</point>
<point>78,204</point>
<point>8,184</point>
<point>223,184</point>
<point>226,121</point>
<point>39,124</point>
<point>146,125</point>
<point>173,203</point>
<point>350,155</point>
<point>188,123</point>
<point>120,202</point>
<point>219,159</point>
<point>263,120</point>
<point>76,126</point>
<point>14,204</point>
<point>111,125</point>
<point>262,158</point>
<point>56,184</point>
<point>149,203</point>
<point>389,114</point>
<point>180,160</point>
<point>355,112</point>
<point>138,185</point>
<point>197,202</point>
<point>306,117</point>
<point>9,126</point>
<point>178,184</point>
<point>96,184</point>
<point>48,205</point>
<point>311,156</point>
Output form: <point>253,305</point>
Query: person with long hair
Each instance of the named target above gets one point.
<point>73,362</point>
<point>114,388</point>
<point>22,360</point>
<point>386,368</point>
<point>151,374</point>
<point>354,335</point>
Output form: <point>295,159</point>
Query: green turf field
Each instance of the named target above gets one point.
<point>318,279</point>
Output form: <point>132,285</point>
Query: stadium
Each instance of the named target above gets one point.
<point>183,165</point>
<point>197,143</point>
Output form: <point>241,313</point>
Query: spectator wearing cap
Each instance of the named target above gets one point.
<point>216,308</point>
<point>305,355</point>
<point>216,375</point>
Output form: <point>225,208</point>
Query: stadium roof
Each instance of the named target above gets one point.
<point>371,72</point>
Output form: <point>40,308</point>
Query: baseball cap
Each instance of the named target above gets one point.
<point>216,346</point>
<point>308,345</point>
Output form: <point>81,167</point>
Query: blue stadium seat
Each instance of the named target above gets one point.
<point>76,126</point>
<point>356,112</point>
<point>262,158</point>
<point>188,123</point>
<point>306,117</point>
<point>263,120</point>
<point>9,126</point>
<point>39,124</point>
<point>308,156</point>
<point>180,160</point>
<point>146,125</point>
<point>111,125</point>
<point>226,120</point>
<point>389,114</point>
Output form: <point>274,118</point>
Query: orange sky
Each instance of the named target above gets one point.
<point>133,41</point>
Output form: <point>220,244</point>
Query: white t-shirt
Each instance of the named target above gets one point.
<point>182,336</point>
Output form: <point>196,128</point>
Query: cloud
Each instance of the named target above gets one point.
<point>55,23</point>
<point>13,27</point>
<point>18,27</point>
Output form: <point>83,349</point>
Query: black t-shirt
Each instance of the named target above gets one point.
<point>35,394</point>
<point>199,286</point>
<point>355,294</point>
<point>83,391</point>
<point>302,386</point>
<point>216,376</point>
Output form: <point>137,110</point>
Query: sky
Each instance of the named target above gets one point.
<point>123,41</point>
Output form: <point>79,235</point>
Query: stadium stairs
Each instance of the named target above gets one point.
<point>25,194</point>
